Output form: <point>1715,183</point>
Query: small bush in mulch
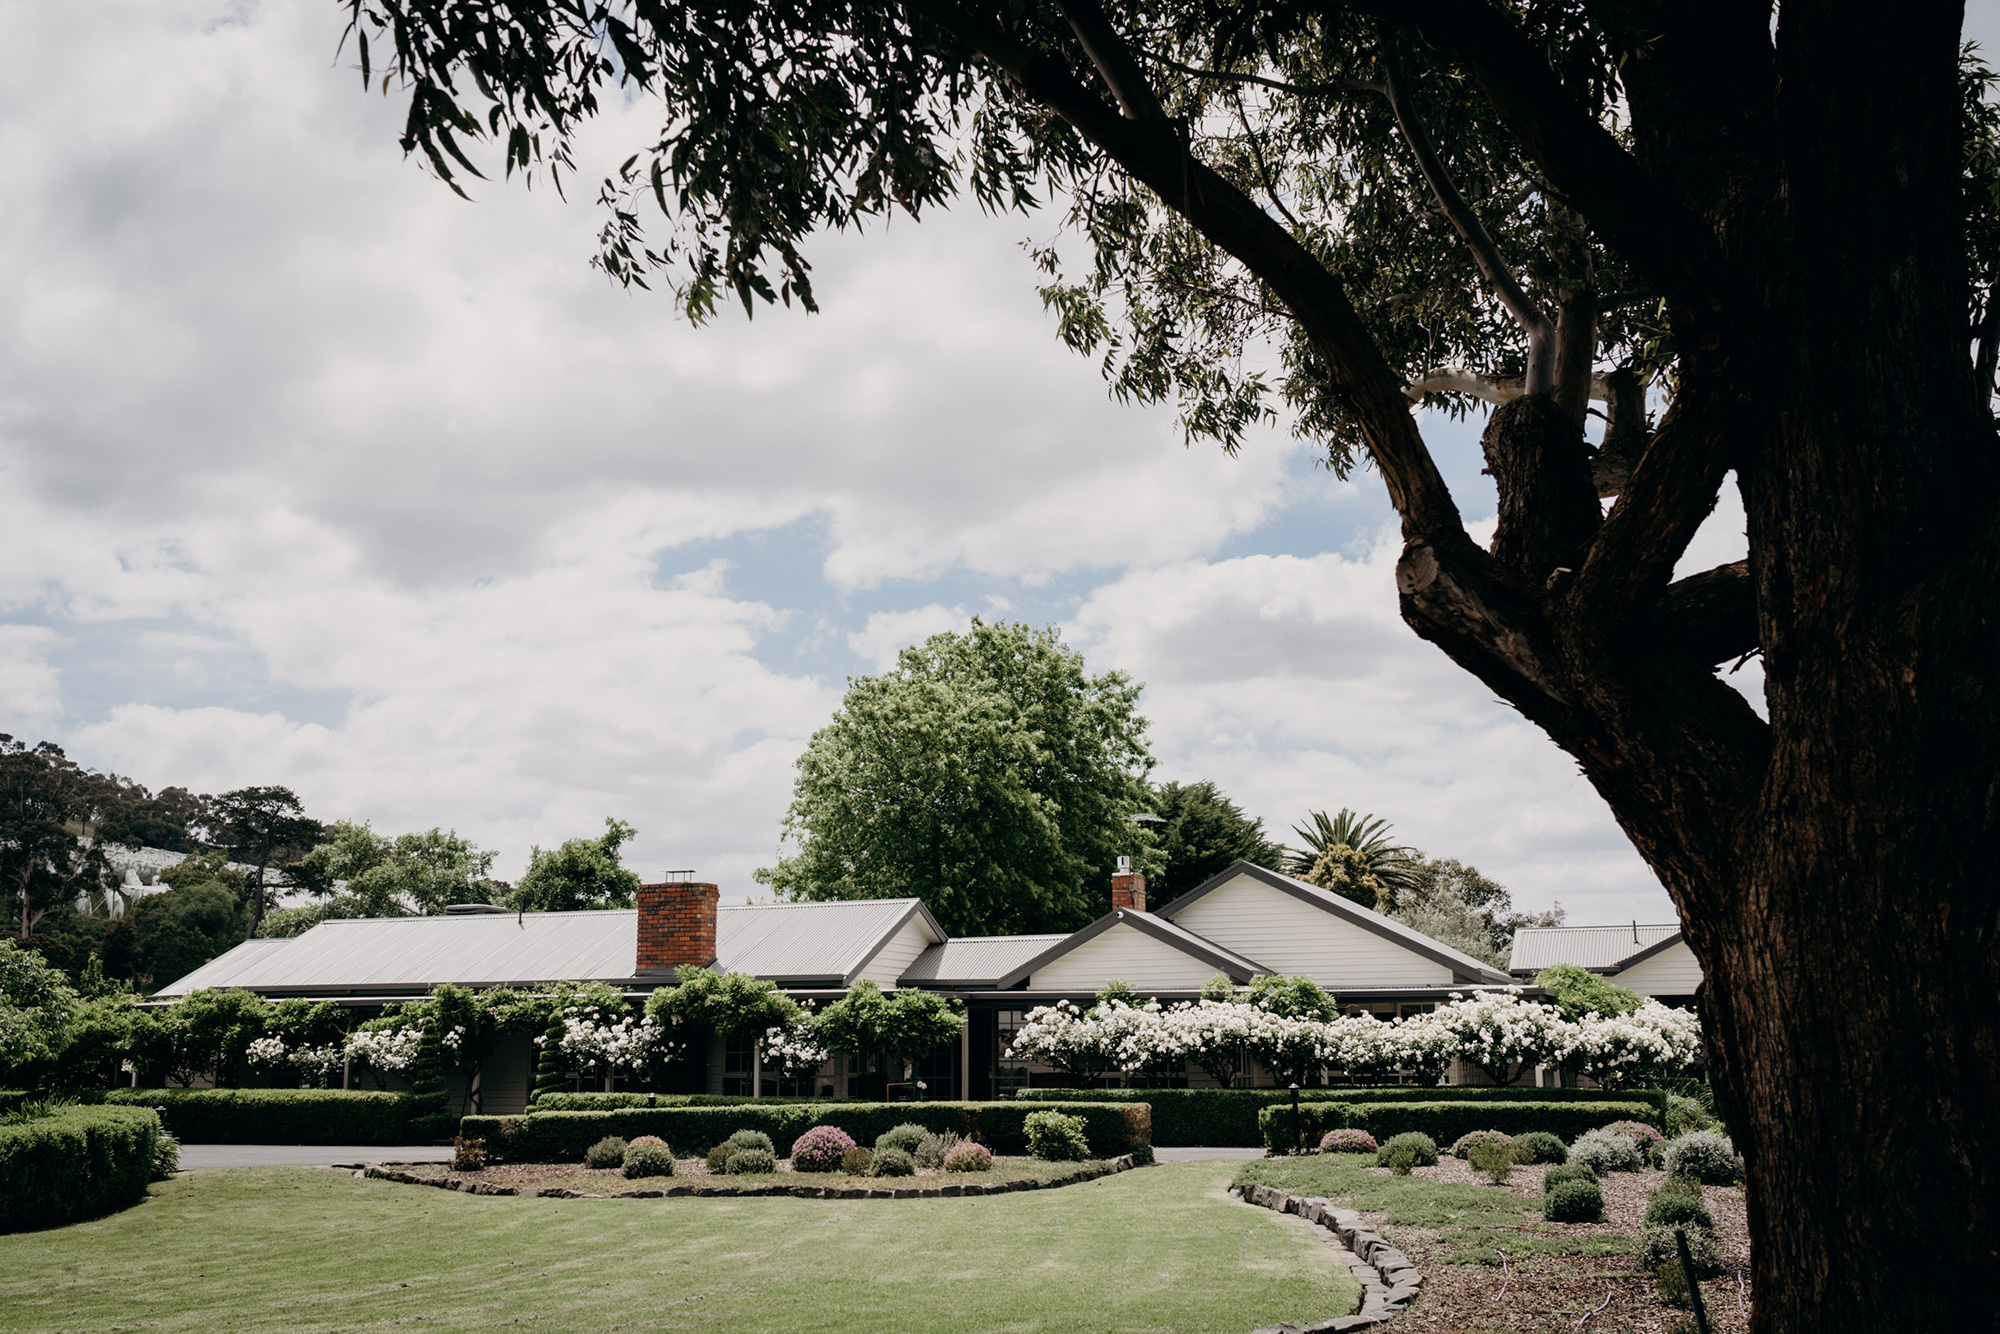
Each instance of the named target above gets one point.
<point>858,1161</point>
<point>1574,1202</point>
<point>607,1152</point>
<point>931,1149</point>
<point>1639,1133</point>
<point>1562,1172</point>
<point>1605,1152</point>
<point>468,1155</point>
<point>1493,1160</point>
<point>1539,1146</point>
<point>1671,1208</point>
<point>1057,1137</point>
<point>1462,1147</point>
<point>1348,1141</point>
<point>752,1162</point>
<point>968,1157</point>
<point>1657,1250</point>
<point>1422,1147</point>
<point>905,1137</point>
<point>893,1163</point>
<point>1704,1155</point>
<point>821,1149</point>
<point>752,1139</point>
<point>1402,1160</point>
<point>648,1156</point>
<point>718,1158</point>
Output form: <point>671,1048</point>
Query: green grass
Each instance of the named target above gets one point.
<point>1161,1249</point>
<point>1483,1246</point>
<point>1411,1201</point>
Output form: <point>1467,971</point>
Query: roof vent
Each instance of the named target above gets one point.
<point>471,909</point>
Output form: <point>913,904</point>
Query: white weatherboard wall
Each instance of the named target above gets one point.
<point>1127,953</point>
<point>1674,971</point>
<point>902,950</point>
<point>1293,937</point>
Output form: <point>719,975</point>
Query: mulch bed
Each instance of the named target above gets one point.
<point>1546,1293</point>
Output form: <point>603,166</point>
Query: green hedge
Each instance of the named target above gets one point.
<point>1444,1121</point>
<point>276,1116</point>
<point>604,1102</point>
<point>563,1136</point>
<point>1219,1118</point>
<point>78,1163</point>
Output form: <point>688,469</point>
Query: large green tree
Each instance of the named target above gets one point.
<point>1202,832</point>
<point>583,873</point>
<point>48,806</point>
<point>265,828</point>
<point>360,873</point>
<point>988,774</point>
<point>1778,223</point>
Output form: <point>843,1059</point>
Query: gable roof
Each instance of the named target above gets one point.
<point>783,942</point>
<point>1347,910</point>
<point>976,960</point>
<point>1179,937</point>
<point>1602,949</point>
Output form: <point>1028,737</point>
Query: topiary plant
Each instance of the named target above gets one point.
<point>1657,1250</point>
<point>1539,1146</point>
<point>1574,1202</point>
<point>1421,1146</point>
<point>857,1161</point>
<point>648,1156</point>
<point>1348,1141</point>
<point>905,1137</point>
<point>1462,1146</point>
<point>1562,1172</point>
<point>1056,1137</point>
<point>752,1162</point>
<point>821,1149</point>
<point>1704,1155</point>
<point>1605,1152</point>
<point>1672,1209</point>
<point>752,1139</point>
<point>607,1152</point>
<point>550,1076</point>
<point>718,1158</point>
<point>931,1150</point>
<point>965,1156</point>
<point>893,1163</point>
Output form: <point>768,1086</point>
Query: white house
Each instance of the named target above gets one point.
<point>1652,959</point>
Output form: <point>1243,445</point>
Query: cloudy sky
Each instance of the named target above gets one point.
<point>311,473</point>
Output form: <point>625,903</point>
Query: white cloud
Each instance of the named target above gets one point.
<point>30,692</point>
<point>887,633</point>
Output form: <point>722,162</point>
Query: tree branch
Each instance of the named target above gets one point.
<point>1257,156</point>
<point>1114,62</point>
<point>1491,388</point>
<point>1711,615</point>
<point>1536,325</point>
<point>1258,80</point>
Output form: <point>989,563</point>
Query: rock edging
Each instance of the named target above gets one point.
<point>1389,1282</point>
<point>393,1172</point>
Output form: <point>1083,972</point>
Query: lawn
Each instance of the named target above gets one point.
<point>1159,1249</point>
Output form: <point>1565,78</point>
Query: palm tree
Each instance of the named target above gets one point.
<point>1350,854</point>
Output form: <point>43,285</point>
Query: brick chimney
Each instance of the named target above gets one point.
<point>1128,887</point>
<point>676,925</point>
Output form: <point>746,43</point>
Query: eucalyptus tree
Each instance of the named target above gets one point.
<point>1778,223</point>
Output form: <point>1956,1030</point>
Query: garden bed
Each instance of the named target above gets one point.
<point>1491,1264</point>
<point>692,1177</point>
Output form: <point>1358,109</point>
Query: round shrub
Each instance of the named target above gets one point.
<point>905,1137</point>
<point>893,1163</point>
<point>1671,1209</point>
<point>1492,1159</point>
<point>1422,1146</point>
<point>1462,1146</point>
<point>1605,1152</point>
<point>1539,1146</point>
<point>607,1152</point>
<point>752,1162</point>
<point>1348,1141</point>
<point>719,1156</point>
<point>1704,1155</point>
<point>1562,1172</point>
<point>858,1161</point>
<point>968,1157</point>
<point>647,1156</point>
<point>931,1150</point>
<point>1657,1250</point>
<point>752,1139</point>
<point>1056,1137</point>
<point>1574,1202</point>
<point>1638,1132</point>
<point>820,1149</point>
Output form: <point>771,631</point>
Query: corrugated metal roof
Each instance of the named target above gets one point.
<point>1390,927</point>
<point>1600,947</point>
<point>779,941</point>
<point>976,958</point>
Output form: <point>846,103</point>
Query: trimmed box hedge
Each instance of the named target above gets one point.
<point>1112,1128</point>
<point>604,1102</point>
<point>1227,1118</point>
<point>1443,1121</point>
<point>77,1163</point>
<point>275,1116</point>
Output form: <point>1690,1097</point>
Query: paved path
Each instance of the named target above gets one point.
<point>1202,1155</point>
<point>195,1156</point>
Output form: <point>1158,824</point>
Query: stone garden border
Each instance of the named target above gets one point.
<point>1389,1282</point>
<point>394,1172</point>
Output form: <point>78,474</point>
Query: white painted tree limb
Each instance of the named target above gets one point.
<point>1491,388</point>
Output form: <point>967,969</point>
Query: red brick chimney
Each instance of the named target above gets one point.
<point>676,925</point>
<point>1128,887</point>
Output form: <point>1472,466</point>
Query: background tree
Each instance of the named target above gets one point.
<point>988,775</point>
<point>1202,833</point>
<point>1452,902</point>
<point>264,827</point>
<point>906,1026</point>
<point>37,1008</point>
<point>582,873</point>
<point>1578,991</point>
<point>1351,855</point>
<point>47,807</point>
<point>1781,226</point>
<point>357,872</point>
<point>199,917</point>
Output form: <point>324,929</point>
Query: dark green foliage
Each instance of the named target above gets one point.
<point>591,1101</point>
<point>1657,1250</point>
<point>1350,854</point>
<point>750,1139</point>
<point>468,1155</point>
<point>1402,1160</point>
<point>719,1156</point>
<point>607,1152</point>
<point>1705,1156</point>
<point>1672,1209</point>
<point>1539,1146</point>
<point>183,928</point>
<point>1578,991</point>
<point>563,1136</point>
<point>550,1076</point>
<point>428,1101</point>
<point>907,1026</point>
<point>905,1137</point>
<point>1574,1202</point>
<point>752,1162</point>
<point>1142,1155</point>
<point>858,1161</point>
<point>1291,997</point>
<point>1445,1121</point>
<point>582,873</point>
<point>1562,1172</point>
<point>75,1162</point>
<point>1203,833</point>
<point>1492,1159</point>
<point>893,1163</point>
<point>267,828</point>
<point>647,1158</point>
<point>1228,1117</point>
<point>1423,1146</point>
<point>275,1116</point>
<point>1057,1136</point>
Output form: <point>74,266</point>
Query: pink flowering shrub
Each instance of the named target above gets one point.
<point>1639,1133</point>
<point>1463,1148</point>
<point>1347,1141</point>
<point>966,1156</point>
<point>821,1149</point>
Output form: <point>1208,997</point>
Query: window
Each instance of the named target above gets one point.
<point>1008,1075</point>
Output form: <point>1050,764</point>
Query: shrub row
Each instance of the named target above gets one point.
<point>604,1102</point>
<point>275,1116</point>
<point>1444,1121</point>
<point>1228,1117</point>
<point>76,1163</point>
<point>1111,1128</point>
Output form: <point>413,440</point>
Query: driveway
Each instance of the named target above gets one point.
<point>1203,1155</point>
<point>197,1156</point>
